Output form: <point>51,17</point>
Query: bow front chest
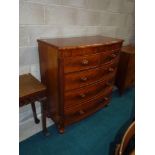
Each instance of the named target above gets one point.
<point>79,74</point>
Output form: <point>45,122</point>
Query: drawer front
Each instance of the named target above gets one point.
<point>109,57</point>
<point>81,63</point>
<point>87,93</point>
<point>90,50</point>
<point>84,107</point>
<point>111,47</point>
<point>83,78</point>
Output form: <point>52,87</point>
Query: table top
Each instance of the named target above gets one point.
<point>128,49</point>
<point>84,41</point>
<point>29,85</point>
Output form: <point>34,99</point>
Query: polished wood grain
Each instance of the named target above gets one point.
<point>129,48</point>
<point>109,57</point>
<point>85,41</point>
<point>78,106</point>
<point>86,77</point>
<point>87,108</point>
<point>31,90</point>
<point>49,76</point>
<point>79,73</point>
<point>87,92</point>
<point>128,135</point>
<point>81,63</point>
<point>126,69</point>
<point>29,86</point>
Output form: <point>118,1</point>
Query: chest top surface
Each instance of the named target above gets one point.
<point>75,42</point>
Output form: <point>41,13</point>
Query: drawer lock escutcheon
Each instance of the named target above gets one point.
<point>85,62</point>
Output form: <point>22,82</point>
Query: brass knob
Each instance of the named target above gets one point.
<point>113,55</point>
<point>83,78</point>
<point>81,112</point>
<point>111,69</point>
<point>85,62</point>
<point>82,95</point>
<point>106,98</point>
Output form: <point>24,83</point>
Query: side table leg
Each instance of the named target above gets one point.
<point>43,110</point>
<point>34,113</point>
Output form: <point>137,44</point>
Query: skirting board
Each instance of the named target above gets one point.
<point>29,128</point>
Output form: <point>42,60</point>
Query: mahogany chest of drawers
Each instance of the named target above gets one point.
<point>125,76</point>
<point>79,74</point>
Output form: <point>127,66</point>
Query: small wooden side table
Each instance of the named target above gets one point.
<point>31,90</point>
<point>125,76</point>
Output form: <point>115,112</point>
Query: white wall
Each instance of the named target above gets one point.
<point>66,18</point>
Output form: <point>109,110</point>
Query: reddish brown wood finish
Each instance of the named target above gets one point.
<point>79,74</point>
<point>31,90</point>
<point>83,78</point>
<point>86,93</point>
<point>126,69</point>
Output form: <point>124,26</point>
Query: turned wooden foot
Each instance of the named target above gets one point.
<point>43,110</point>
<point>61,129</point>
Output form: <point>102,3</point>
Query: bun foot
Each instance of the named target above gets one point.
<point>61,129</point>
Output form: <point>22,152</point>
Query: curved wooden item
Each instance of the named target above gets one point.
<point>120,148</point>
<point>76,72</point>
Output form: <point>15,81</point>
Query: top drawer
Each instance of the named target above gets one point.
<point>73,64</point>
<point>90,50</point>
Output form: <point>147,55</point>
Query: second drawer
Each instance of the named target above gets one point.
<point>82,78</point>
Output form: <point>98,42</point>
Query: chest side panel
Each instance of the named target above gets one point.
<point>49,69</point>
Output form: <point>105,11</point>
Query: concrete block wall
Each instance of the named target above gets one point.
<point>67,18</point>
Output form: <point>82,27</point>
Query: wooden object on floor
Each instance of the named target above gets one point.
<point>128,135</point>
<point>125,76</point>
<point>79,73</point>
<point>31,90</point>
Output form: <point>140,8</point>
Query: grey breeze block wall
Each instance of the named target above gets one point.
<point>66,18</point>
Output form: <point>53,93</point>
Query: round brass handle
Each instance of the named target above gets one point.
<point>106,98</point>
<point>82,95</point>
<point>81,112</point>
<point>83,78</point>
<point>85,62</point>
<point>111,69</point>
<point>113,55</point>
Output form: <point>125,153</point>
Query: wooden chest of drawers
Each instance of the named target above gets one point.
<point>79,74</point>
<point>125,76</point>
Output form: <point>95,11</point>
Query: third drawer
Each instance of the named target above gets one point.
<point>87,93</point>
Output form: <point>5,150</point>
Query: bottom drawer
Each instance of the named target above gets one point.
<point>87,109</point>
